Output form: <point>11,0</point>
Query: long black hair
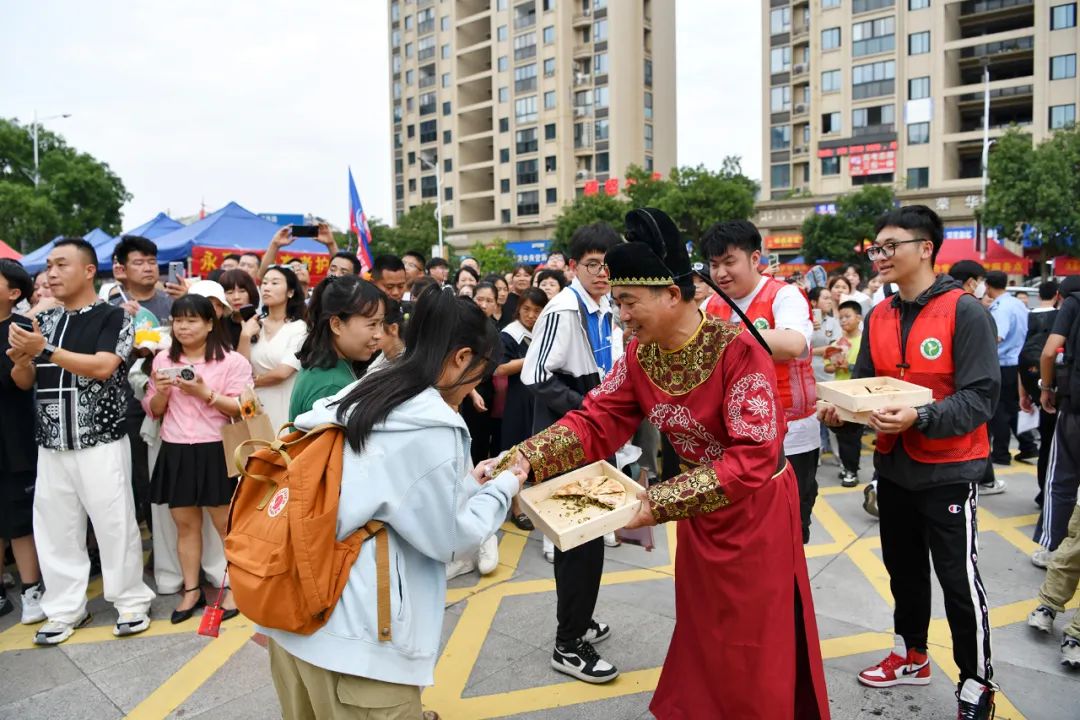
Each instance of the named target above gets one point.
<point>295,305</point>
<point>340,297</point>
<point>200,307</point>
<point>441,324</point>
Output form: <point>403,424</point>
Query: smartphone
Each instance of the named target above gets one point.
<point>247,312</point>
<point>817,316</point>
<point>176,272</point>
<point>304,230</point>
<point>24,323</point>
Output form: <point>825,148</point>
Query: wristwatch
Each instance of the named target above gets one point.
<point>46,352</point>
<point>1043,387</point>
<point>923,420</point>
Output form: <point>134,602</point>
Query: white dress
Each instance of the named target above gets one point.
<point>267,355</point>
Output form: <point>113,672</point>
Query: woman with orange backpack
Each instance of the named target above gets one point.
<point>406,464</point>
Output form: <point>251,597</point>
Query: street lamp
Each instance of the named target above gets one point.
<point>34,132</point>
<point>438,189</point>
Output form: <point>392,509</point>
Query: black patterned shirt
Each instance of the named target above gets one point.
<point>75,412</point>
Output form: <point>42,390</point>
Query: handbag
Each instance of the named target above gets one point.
<point>253,424</point>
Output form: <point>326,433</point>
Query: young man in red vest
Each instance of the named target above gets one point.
<point>930,460</point>
<point>781,313</point>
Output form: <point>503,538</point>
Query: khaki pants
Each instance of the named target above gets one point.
<point>307,692</point>
<point>1063,573</point>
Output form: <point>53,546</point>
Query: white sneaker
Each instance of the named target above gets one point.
<point>549,550</point>
<point>1070,652</point>
<point>131,624</point>
<point>31,605</point>
<point>1041,558</point>
<point>995,488</point>
<point>460,567</point>
<point>1042,619</point>
<point>489,556</point>
<point>611,541</point>
<point>55,632</point>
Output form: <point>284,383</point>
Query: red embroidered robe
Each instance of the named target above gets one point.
<point>745,643</point>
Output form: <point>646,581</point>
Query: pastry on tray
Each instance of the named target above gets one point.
<point>601,489</point>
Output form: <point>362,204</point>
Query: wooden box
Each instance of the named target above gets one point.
<point>856,400</point>
<point>567,529</point>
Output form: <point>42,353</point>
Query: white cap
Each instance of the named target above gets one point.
<point>209,289</point>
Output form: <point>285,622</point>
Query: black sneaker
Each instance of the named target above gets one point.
<point>848,479</point>
<point>584,663</point>
<point>975,701</point>
<point>598,632</point>
<point>6,605</point>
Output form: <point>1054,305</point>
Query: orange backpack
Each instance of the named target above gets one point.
<point>286,566</point>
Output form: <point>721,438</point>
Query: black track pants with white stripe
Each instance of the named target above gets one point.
<point>938,522</point>
<point>1062,480</point>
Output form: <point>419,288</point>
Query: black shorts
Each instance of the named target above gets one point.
<point>16,504</point>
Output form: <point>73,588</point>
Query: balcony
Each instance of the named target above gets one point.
<point>582,79</point>
<point>583,18</point>
<point>798,70</point>
<point>974,8</point>
<point>800,109</point>
<point>883,129</point>
<point>798,32</point>
<point>583,110</point>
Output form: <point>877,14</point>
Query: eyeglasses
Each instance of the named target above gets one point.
<point>594,267</point>
<point>886,251</point>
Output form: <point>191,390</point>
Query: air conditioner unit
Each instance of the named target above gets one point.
<point>583,174</point>
<point>800,109</point>
<point>799,150</point>
<point>581,78</point>
<point>799,68</point>
<point>581,110</point>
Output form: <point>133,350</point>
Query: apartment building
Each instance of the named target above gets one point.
<point>513,108</point>
<point>892,91</point>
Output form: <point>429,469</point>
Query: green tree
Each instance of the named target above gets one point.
<point>642,190</point>
<point>77,192</point>
<point>834,237</point>
<point>494,258</point>
<point>699,197</point>
<point>586,210</point>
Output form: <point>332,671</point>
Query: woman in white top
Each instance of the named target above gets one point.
<point>275,335</point>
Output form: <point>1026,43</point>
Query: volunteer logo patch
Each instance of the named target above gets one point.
<point>278,502</point>
<point>931,348</point>
<point>761,324</point>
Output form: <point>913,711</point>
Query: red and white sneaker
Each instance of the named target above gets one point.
<point>898,670</point>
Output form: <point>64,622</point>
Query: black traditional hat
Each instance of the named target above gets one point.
<point>654,254</point>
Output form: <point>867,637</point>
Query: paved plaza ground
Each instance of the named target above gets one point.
<point>499,630</point>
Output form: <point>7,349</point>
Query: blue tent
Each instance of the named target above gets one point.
<point>233,228</point>
<point>35,261</point>
<point>160,225</point>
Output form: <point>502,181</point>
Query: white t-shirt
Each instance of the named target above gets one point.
<point>790,312</point>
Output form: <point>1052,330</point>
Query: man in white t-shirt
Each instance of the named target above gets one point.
<point>781,313</point>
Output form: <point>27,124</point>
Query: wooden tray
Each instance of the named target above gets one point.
<point>544,511</point>
<point>852,395</point>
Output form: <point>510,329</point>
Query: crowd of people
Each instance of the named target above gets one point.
<point>702,376</point>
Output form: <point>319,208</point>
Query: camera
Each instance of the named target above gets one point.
<point>187,372</point>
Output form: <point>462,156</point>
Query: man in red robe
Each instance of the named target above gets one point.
<point>745,643</point>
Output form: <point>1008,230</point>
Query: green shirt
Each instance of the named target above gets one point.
<point>316,383</point>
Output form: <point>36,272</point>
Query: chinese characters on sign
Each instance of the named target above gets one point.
<point>791,241</point>
<point>205,260</point>
<point>825,208</point>
<point>872,163</point>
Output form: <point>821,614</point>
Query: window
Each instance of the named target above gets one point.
<point>826,4</point>
<point>600,64</point>
<point>780,137</point>
<point>504,155</point>
<point>830,123</point>
<point>603,162</point>
<point>428,132</point>
<point>504,186</point>
<point>549,67</point>
<point>412,186</point>
<point>918,88</point>
<point>446,108</point>
<point>408,50</point>
<point>504,125</point>
<point>549,131</point>
<point>502,32</point>
<point>427,75</point>
<point>528,203</point>
<point>600,30</point>
<point>648,105</point>
<point>396,62</point>
<point>549,35</point>
<point>873,79</point>
<point>427,103</point>
<point>445,52</point>
<point>399,166</point>
<point>806,134</point>
<point>780,99</point>
<point>525,15</point>
<point>410,131</point>
<point>528,172</point>
<point>830,38</point>
<point>550,196</point>
<point>447,165</point>
<point>648,163</point>
<point>500,5</point>
<point>525,141</point>
<point>444,23</point>
<point>918,133</point>
<point>830,166</point>
<point>525,109</point>
<point>395,39</point>
<point>918,177</point>
<point>918,43</point>
<point>525,78</point>
<point>1063,16</point>
<point>601,130</point>
<point>861,6</point>
<point>1062,116</point>
<point>549,5</point>
<point>918,4</point>
<point>830,81</point>
<point>408,22</point>
<point>648,72</point>
<point>873,36</point>
<point>1062,66</point>
<point>550,164</point>
<point>505,215</point>
<point>425,21</point>
<point>409,104</point>
<point>549,100</point>
<point>780,176</point>
<point>879,118</point>
<point>399,192</point>
<point>648,137</point>
<point>409,76</point>
<point>780,59</point>
<point>600,96</point>
<point>448,193</point>
<point>395,12</point>
<point>502,63</point>
<point>428,187</point>
<point>780,20</point>
<point>504,94</point>
<point>397,113</point>
<point>447,136</point>
<point>525,46</point>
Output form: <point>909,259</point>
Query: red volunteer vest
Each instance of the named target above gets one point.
<point>929,360</point>
<point>794,378</point>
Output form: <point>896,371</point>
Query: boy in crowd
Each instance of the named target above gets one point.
<point>74,358</point>
<point>388,274</point>
<point>1011,318</point>
<point>928,479</point>
<point>230,262</point>
<point>840,364</point>
<point>439,270</point>
<point>1040,324</point>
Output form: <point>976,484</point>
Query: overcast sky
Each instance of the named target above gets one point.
<point>268,103</point>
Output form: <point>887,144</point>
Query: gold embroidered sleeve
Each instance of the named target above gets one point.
<point>695,492</point>
<point>553,452</point>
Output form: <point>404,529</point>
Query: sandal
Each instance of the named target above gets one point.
<point>522,522</point>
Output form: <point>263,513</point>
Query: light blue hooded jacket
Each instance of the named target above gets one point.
<point>413,476</point>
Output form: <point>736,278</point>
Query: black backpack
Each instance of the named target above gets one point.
<point>1039,326</point>
<point>1068,374</point>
